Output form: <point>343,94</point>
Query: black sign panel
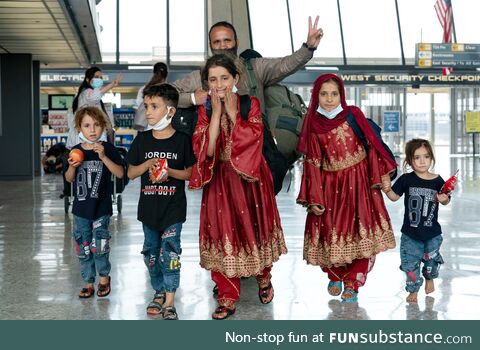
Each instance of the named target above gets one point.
<point>447,55</point>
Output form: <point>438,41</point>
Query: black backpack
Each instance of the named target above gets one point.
<point>378,133</point>
<point>284,110</point>
<point>185,120</point>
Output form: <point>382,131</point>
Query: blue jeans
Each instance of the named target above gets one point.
<point>161,252</point>
<point>92,243</point>
<point>413,253</point>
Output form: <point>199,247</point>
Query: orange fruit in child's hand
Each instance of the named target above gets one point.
<point>76,155</point>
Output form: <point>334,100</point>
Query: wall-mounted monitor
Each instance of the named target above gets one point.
<point>60,102</point>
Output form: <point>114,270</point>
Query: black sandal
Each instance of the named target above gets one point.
<point>266,294</point>
<point>169,313</point>
<point>222,312</point>
<point>154,304</point>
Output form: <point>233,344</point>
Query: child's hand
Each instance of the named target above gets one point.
<point>443,198</point>
<point>386,184</point>
<point>216,103</point>
<point>231,105</point>
<point>73,163</point>
<point>99,149</point>
<point>315,209</point>
<point>150,163</point>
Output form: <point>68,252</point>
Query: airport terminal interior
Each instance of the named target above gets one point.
<point>45,47</point>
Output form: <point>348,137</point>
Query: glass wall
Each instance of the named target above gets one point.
<point>464,99</point>
<point>143,31</point>
<point>370,28</point>
<point>107,10</point>
<point>370,32</point>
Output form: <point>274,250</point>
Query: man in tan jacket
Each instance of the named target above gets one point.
<point>268,71</point>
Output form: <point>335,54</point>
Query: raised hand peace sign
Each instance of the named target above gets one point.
<point>314,34</point>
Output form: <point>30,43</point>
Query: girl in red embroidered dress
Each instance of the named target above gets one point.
<point>347,222</point>
<point>240,230</point>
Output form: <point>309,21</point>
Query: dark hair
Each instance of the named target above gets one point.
<point>226,25</point>
<point>166,91</point>
<point>160,73</point>
<point>336,83</point>
<point>89,74</point>
<point>410,148</point>
<point>220,60</point>
<point>94,112</point>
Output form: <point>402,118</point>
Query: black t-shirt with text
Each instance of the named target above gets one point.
<point>420,220</point>
<point>162,204</point>
<point>93,184</point>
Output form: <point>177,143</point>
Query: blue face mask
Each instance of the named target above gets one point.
<point>96,83</point>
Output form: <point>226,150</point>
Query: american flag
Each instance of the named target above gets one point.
<point>445,16</point>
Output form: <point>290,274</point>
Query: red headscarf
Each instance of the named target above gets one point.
<point>317,123</point>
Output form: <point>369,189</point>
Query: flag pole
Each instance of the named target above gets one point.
<point>453,24</point>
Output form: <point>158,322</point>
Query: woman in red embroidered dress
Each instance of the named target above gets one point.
<point>240,230</point>
<point>347,222</point>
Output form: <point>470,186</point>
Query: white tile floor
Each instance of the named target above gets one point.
<point>40,279</point>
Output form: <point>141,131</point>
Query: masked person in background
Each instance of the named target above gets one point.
<point>90,93</point>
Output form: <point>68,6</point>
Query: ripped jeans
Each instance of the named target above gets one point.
<point>92,243</point>
<point>413,253</point>
<point>161,254</point>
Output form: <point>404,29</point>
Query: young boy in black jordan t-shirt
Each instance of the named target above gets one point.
<point>162,206</point>
<point>92,206</point>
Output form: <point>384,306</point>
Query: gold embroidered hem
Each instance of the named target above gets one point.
<point>243,175</point>
<point>241,261</point>
<point>346,247</point>
<point>264,281</point>
<point>316,162</point>
<point>228,303</point>
<point>198,165</point>
<point>333,164</point>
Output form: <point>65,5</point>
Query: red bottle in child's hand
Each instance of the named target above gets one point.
<point>158,171</point>
<point>449,185</point>
<point>76,155</point>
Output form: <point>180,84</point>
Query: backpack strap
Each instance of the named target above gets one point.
<point>252,79</point>
<point>209,112</point>
<point>245,105</point>
<point>356,130</point>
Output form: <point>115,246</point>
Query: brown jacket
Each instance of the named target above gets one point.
<point>268,71</point>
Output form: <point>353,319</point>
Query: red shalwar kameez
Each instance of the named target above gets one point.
<point>240,230</point>
<point>340,176</point>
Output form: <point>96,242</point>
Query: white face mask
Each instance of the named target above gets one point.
<point>103,137</point>
<point>332,114</point>
<point>162,123</point>
<point>234,90</point>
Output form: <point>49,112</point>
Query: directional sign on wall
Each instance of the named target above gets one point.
<point>391,121</point>
<point>447,55</point>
